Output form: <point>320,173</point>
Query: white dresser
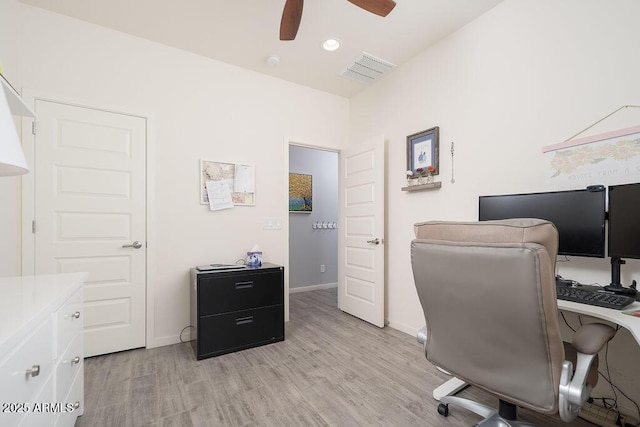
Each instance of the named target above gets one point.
<point>41,350</point>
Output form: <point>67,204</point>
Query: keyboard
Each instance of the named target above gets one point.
<point>592,297</point>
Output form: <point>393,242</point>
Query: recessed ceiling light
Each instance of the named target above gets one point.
<point>331,45</point>
<point>273,60</point>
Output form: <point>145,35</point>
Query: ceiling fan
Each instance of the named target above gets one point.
<point>292,14</point>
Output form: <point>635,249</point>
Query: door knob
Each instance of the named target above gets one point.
<point>375,241</point>
<point>134,245</point>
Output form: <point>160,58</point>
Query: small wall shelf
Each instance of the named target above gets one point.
<point>420,187</point>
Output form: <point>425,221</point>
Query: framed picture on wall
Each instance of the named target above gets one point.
<point>300,193</point>
<point>423,151</point>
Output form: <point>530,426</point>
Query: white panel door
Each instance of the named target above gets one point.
<point>361,241</point>
<point>89,210</point>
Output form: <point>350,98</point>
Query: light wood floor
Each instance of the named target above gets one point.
<point>331,370</point>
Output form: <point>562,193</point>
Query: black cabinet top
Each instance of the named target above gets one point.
<point>264,267</point>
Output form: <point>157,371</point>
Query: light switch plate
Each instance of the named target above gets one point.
<point>272,223</point>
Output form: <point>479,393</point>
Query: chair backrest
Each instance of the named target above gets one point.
<point>488,294</point>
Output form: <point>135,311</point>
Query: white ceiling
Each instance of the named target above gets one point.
<point>245,32</point>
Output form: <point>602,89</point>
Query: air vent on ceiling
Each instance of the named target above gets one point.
<point>367,68</point>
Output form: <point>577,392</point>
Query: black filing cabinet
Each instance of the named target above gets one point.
<point>234,310</point>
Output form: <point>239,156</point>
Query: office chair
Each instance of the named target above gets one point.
<point>488,294</point>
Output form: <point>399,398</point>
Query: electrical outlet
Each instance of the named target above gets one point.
<point>321,268</point>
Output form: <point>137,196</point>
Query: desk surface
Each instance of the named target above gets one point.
<point>631,323</point>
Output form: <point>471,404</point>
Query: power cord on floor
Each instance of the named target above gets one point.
<point>182,331</point>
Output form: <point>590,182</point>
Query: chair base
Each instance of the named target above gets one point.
<point>449,388</point>
<point>492,417</point>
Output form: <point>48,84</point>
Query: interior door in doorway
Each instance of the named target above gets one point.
<point>90,215</point>
<point>361,239</point>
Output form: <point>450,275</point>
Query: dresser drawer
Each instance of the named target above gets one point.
<point>72,403</point>
<point>230,332</point>
<point>226,292</point>
<point>69,321</point>
<point>34,351</point>
<point>40,414</point>
<point>68,366</point>
<point>33,414</point>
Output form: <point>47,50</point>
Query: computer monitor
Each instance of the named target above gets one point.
<point>579,216</point>
<point>624,221</point>
<point>624,227</point>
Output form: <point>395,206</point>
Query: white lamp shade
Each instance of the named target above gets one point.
<point>12,161</point>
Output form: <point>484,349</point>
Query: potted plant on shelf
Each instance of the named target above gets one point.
<point>430,170</point>
<point>409,174</point>
<point>425,175</point>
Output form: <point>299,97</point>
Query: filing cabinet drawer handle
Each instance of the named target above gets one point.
<point>244,320</point>
<point>34,371</point>
<point>75,360</point>
<point>244,285</point>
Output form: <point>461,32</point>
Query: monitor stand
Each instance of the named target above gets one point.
<point>615,285</point>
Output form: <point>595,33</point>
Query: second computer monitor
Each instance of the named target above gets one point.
<point>579,216</point>
<point>624,221</point>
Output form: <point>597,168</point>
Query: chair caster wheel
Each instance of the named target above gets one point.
<point>443,409</point>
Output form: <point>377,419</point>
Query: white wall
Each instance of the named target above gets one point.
<point>198,109</point>
<point>308,247</point>
<point>10,186</point>
<point>526,74</point>
<point>529,73</point>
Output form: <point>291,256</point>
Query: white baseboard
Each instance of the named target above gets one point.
<point>403,328</point>
<point>168,340</point>
<point>312,288</point>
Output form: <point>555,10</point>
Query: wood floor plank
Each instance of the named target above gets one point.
<point>203,410</point>
<point>332,370</point>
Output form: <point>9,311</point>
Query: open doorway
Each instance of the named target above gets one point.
<point>313,219</point>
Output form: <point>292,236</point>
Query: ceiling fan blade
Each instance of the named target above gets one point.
<point>291,17</point>
<point>379,7</point>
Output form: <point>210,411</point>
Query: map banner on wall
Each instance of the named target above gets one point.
<point>608,159</point>
<point>238,178</point>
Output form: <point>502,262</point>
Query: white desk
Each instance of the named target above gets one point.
<point>631,323</point>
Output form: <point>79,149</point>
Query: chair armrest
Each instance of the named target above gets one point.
<point>574,391</point>
<point>589,339</point>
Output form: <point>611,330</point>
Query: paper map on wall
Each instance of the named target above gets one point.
<point>239,179</point>
<point>612,158</point>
